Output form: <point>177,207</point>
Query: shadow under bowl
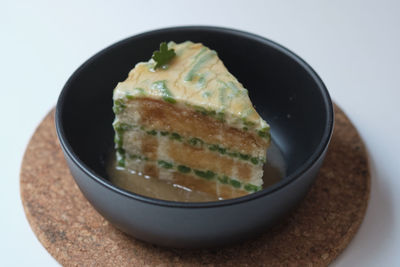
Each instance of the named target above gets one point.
<point>286,92</point>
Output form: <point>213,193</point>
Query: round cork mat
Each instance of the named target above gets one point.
<point>76,235</point>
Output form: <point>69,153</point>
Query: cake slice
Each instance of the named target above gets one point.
<point>190,122</point>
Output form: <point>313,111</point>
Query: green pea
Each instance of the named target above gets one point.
<point>184,169</point>
<point>222,150</point>
<point>233,154</point>
<point>252,188</point>
<point>175,136</point>
<point>195,141</point>
<point>152,132</point>
<point>119,106</point>
<point>224,179</point>
<point>235,183</point>
<point>254,161</point>
<point>205,174</point>
<point>165,164</point>
<point>244,156</point>
<point>213,147</point>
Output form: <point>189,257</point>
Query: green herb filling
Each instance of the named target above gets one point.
<point>165,164</point>
<point>184,169</point>
<point>205,174</point>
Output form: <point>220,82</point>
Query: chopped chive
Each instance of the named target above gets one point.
<point>235,183</point>
<point>169,99</point>
<point>264,129</point>
<point>212,113</point>
<point>205,174</point>
<point>252,188</point>
<point>184,169</point>
<point>161,86</point>
<point>129,96</point>
<point>121,157</point>
<point>201,110</point>
<point>120,150</point>
<point>195,141</point>
<point>264,134</point>
<point>118,140</point>
<point>224,179</point>
<point>233,154</point>
<point>135,92</point>
<point>138,157</point>
<point>120,127</point>
<point>248,123</point>
<point>152,132</point>
<point>119,106</point>
<point>199,63</point>
<point>175,136</point>
<point>222,150</point>
<point>254,161</point>
<point>165,164</point>
<point>213,147</point>
<point>244,156</point>
<point>121,162</point>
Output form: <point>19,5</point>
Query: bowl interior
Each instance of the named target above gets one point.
<point>284,90</point>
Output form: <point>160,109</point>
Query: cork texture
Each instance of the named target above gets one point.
<point>314,235</point>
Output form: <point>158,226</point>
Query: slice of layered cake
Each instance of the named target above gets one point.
<point>184,118</point>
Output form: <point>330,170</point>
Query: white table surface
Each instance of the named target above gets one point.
<point>353,45</point>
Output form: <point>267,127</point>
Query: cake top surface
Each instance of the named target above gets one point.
<point>196,77</point>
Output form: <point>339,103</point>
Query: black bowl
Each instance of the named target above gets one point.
<point>286,92</point>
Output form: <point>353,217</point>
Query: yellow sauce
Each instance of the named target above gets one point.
<point>274,170</point>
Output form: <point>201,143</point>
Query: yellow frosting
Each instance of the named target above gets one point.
<point>195,77</point>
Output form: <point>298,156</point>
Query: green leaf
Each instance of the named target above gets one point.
<point>163,56</point>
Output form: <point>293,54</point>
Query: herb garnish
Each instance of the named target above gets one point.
<point>163,56</point>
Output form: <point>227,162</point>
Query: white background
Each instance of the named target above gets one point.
<point>353,45</point>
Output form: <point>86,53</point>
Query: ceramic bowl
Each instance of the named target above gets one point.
<point>286,92</point>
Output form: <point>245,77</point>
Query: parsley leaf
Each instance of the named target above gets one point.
<point>163,56</point>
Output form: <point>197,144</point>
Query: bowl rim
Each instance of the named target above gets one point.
<point>316,155</point>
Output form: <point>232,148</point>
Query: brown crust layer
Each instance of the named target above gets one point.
<point>205,160</point>
<point>158,114</point>
<point>150,169</point>
<point>149,147</point>
<point>196,158</point>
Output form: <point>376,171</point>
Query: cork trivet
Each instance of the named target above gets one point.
<point>76,235</point>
